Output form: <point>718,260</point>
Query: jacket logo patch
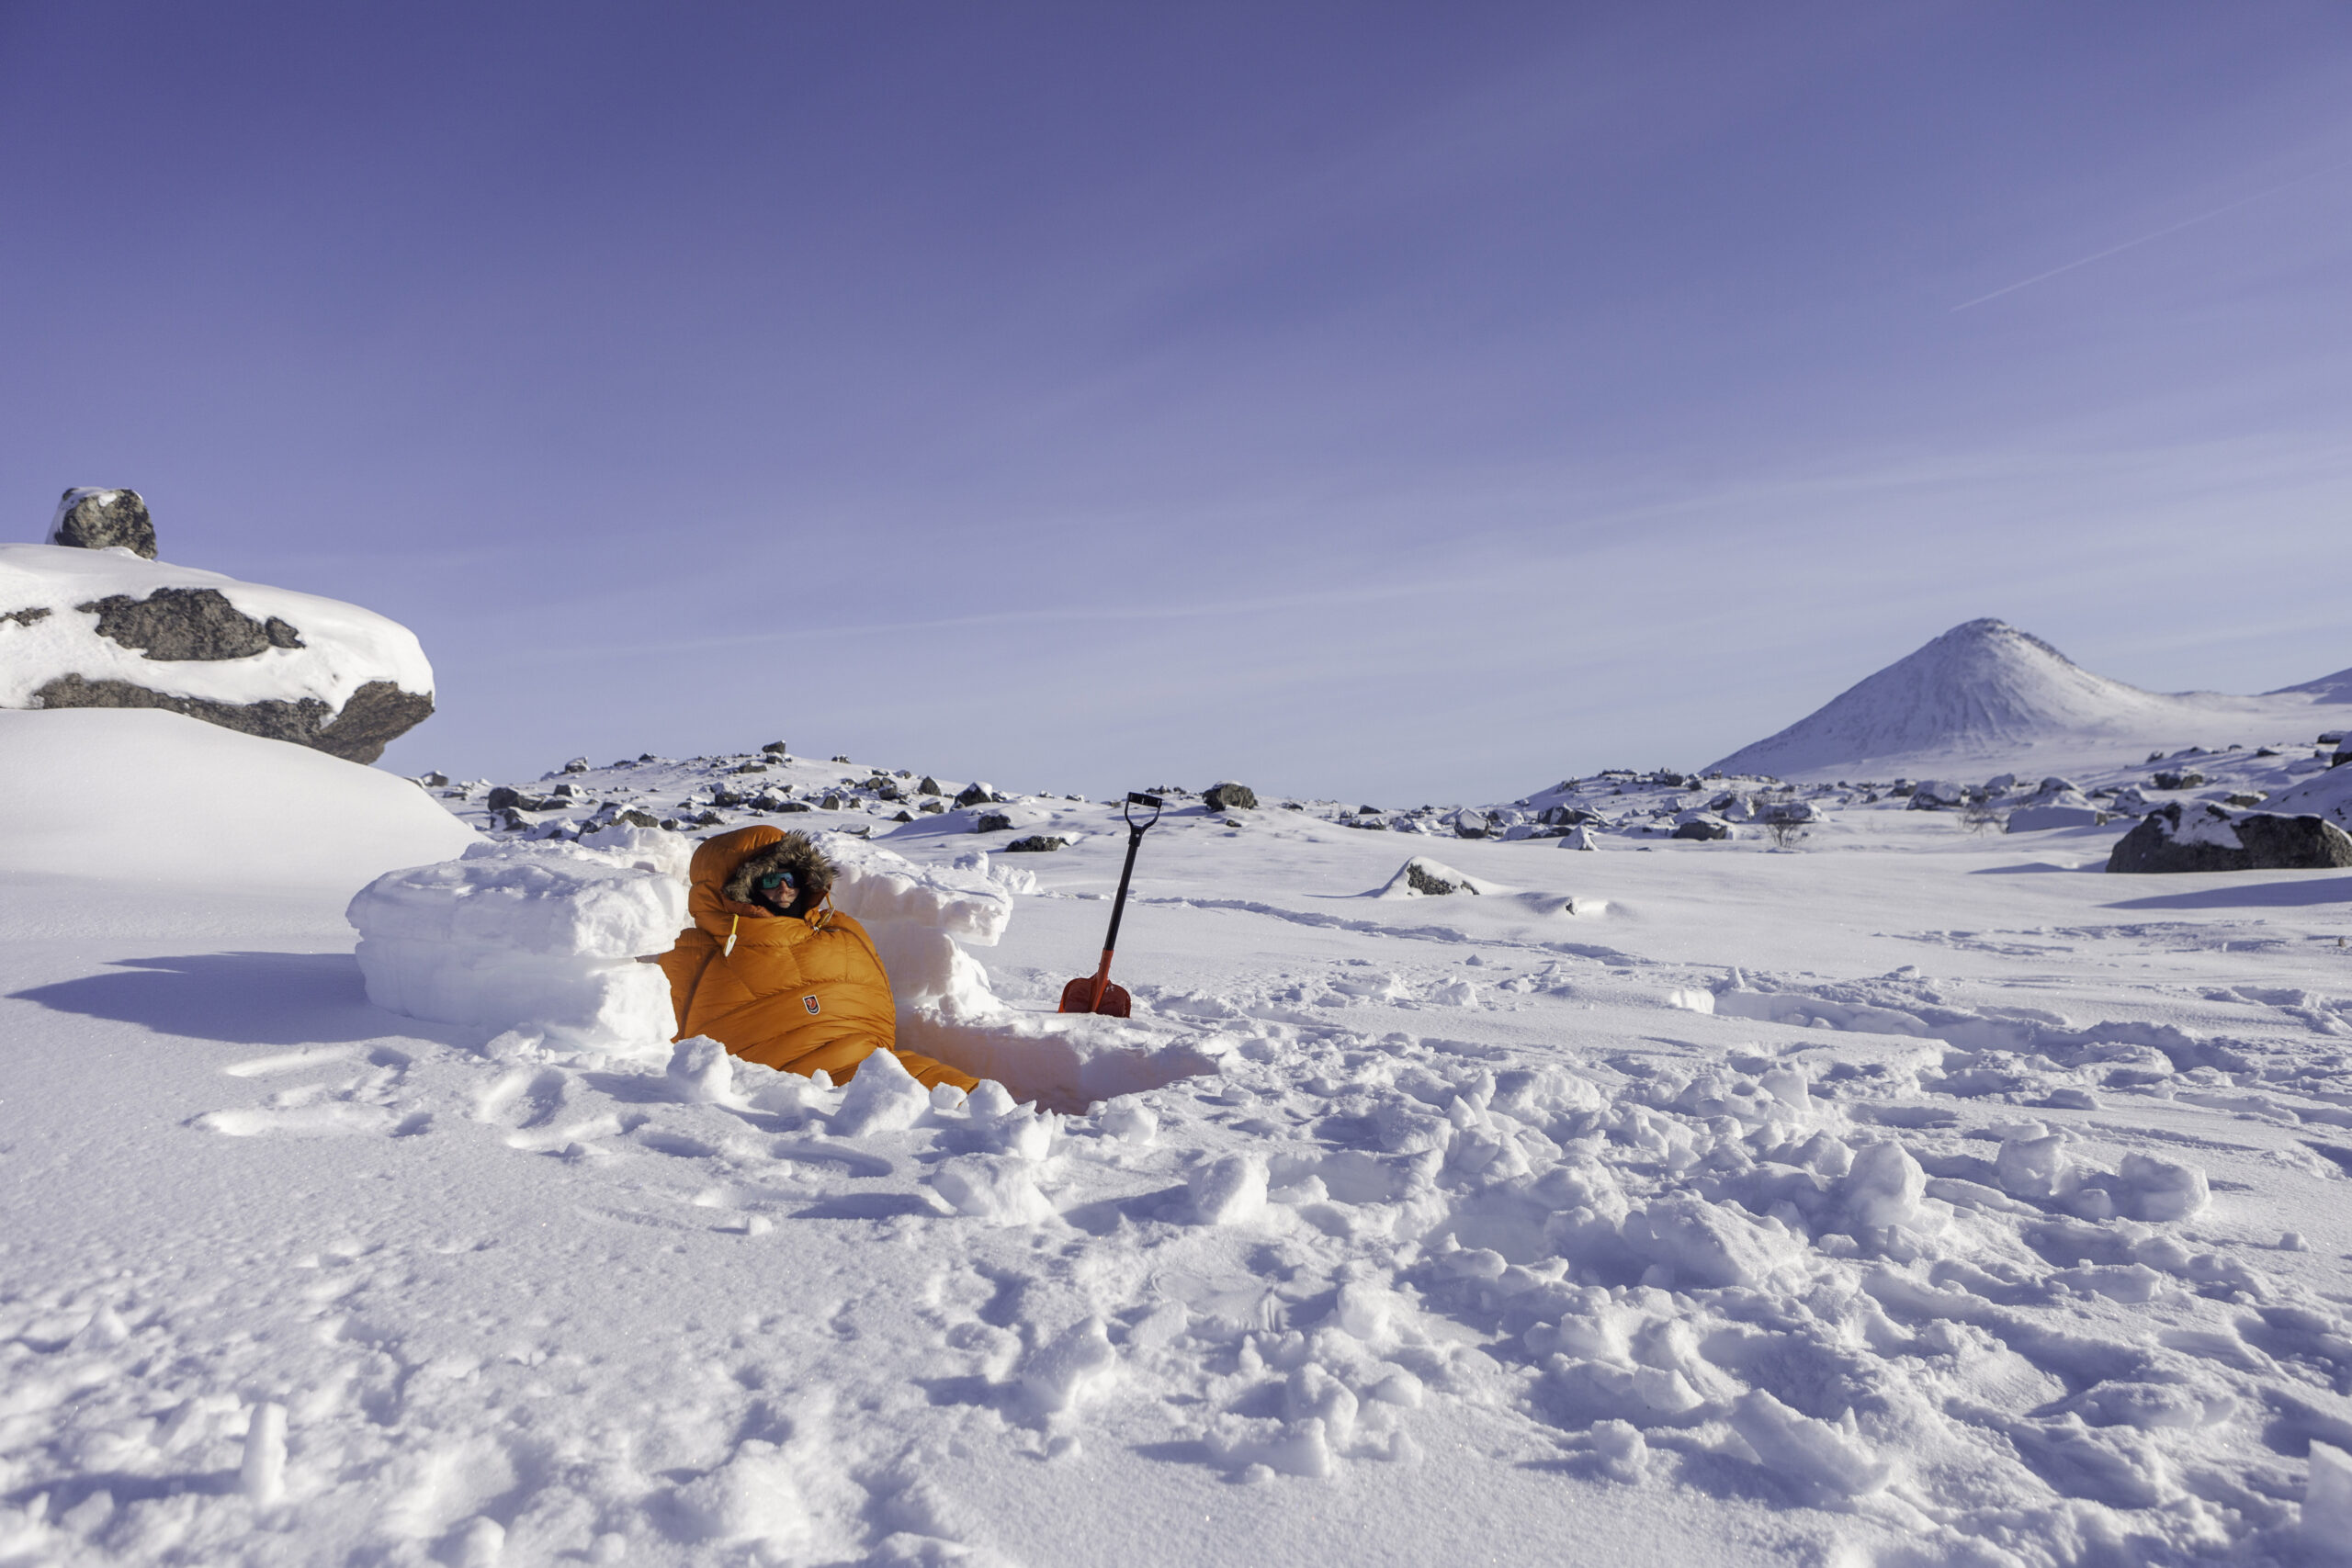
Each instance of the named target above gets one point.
<point>809,1002</point>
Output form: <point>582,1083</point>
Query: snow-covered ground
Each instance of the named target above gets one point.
<point>1911,1193</point>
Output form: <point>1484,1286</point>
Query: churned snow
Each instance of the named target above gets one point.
<point>1900,1193</point>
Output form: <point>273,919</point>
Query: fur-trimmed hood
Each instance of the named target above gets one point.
<point>811,872</point>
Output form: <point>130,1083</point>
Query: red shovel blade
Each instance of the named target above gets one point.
<point>1115,1002</point>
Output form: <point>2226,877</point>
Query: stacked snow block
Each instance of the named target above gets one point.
<point>918,917</point>
<point>540,934</point>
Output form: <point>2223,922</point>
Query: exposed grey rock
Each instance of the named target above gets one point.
<point>975,794</point>
<point>504,799</point>
<point>376,713</point>
<point>1229,797</point>
<point>2205,837</point>
<point>994,822</point>
<point>832,803</point>
<point>932,807</point>
<point>1036,843</point>
<point>188,624</point>
<point>1937,794</point>
<point>26,617</point>
<point>1424,881</point>
<point>2188,778</point>
<point>1471,824</point>
<point>1703,828</point>
<point>104,519</point>
<point>628,818</point>
<point>776,749</point>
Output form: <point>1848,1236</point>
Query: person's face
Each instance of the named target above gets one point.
<point>776,890</point>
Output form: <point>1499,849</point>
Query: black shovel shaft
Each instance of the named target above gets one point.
<point>1135,842</point>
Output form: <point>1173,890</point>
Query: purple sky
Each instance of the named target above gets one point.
<point>1407,401</point>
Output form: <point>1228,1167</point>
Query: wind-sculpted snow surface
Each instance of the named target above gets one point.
<point>1706,1227</point>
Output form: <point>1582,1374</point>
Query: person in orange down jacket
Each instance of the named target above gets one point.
<point>772,972</point>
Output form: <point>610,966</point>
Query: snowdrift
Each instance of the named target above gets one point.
<point>154,797</point>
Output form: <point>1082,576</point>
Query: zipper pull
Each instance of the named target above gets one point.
<point>728,949</point>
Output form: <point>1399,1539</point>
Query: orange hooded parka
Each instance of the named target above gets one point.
<point>798,992</point>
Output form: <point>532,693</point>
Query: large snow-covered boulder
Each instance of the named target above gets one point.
<point>2327,795</point>
<point>540,934</point>
<point>154,798</point>
<point>2175,837</point>
<point>104,628</point>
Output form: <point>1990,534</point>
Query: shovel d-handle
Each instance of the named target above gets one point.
<point>1135,832</point>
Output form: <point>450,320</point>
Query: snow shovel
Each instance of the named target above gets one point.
<point>1094,993</point>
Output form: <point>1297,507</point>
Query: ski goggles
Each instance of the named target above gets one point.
<point>776,879</point>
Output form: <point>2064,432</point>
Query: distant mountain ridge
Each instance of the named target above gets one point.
<point>1987,693</point>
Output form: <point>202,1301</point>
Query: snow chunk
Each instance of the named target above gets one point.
<point>995,1187</point>
<point>548,897</point>
<point>541,934</point>
<point>701,1072</point>
<point>1805,1449</point>
<point>1070,1369</point>
<point>1884,1186</point>
<point>882,1097</point>
<point>1696,1243</point>
<point>1230,1190</point>
<point>2327,1505</point>
<point>2154,1189</point>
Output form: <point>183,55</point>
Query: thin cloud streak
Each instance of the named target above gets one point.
<point>1062,614</point>
<point>2148,239</point>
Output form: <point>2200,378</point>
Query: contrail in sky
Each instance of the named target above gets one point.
<point>2160,234</point>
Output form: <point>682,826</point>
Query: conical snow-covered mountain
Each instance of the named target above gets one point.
<point>1986,695</point>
